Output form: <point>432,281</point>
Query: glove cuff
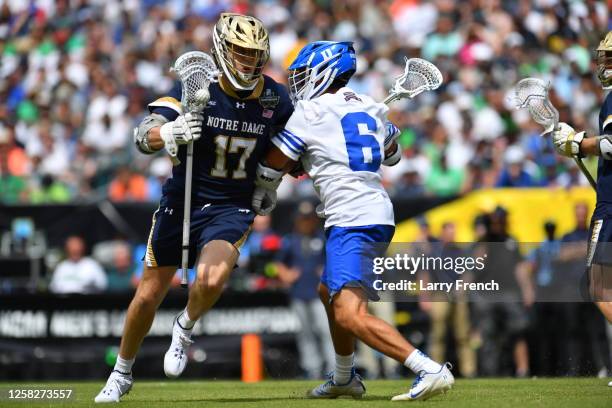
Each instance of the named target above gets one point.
<point>268,177</point>
<point>573,143</point>
<point>167,135</point>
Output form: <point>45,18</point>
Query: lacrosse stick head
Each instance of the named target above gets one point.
<point>532,93</point>
<point>419,75</point>
<point>196,70</point>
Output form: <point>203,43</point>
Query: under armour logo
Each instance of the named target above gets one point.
<point>241,105</point>
<point>212,103</point>
<point>168,210</point>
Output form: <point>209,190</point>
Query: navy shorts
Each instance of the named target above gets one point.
<point>350,254</point>
<point>600,241</point>
<point>225,222</point>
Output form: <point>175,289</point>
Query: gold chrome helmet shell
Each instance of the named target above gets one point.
<point>604,61</point>
<point>241,48</point>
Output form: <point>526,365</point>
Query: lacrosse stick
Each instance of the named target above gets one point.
<point>196,70</point>
<point>419,75</point>
<point>532,93</point>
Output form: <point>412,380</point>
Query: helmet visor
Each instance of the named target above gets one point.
<point>246,64</point>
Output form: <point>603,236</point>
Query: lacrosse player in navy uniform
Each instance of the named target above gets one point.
<point>570,143</point>
<point>230,137</point>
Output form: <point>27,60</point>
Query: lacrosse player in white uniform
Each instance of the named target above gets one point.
<point>341,139</point>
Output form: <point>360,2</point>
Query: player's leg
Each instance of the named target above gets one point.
<point>343,381</point>
<point>216,261</point>
<point>351,313</point>
<point>600,279</point>
<point>163,254</point>
<point>219,230</point>
<point>150,292</point>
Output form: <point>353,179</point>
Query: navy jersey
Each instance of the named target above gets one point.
<point>235,136</point>
<point>604,168</point>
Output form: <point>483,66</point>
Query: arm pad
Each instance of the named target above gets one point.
<point>605,146</point>
<point>394,157</point>
<point>267,177</point>
<point>142,131</point>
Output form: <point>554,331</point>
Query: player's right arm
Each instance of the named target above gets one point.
<point>570,143</point>
<point>166,126</point>
<point>285,152</point>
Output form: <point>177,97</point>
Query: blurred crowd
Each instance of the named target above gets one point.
<point>76,76</point>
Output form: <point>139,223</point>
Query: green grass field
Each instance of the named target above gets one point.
<point>497,393</point>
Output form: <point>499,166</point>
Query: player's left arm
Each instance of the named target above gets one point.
<point>570,143</point>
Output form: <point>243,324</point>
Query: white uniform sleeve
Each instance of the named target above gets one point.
<point>292,140</point>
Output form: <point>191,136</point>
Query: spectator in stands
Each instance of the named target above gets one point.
<point>501,316</point>
<point>300,264</point>
<point>514,173</point>
<point>127,186</point>
<point>454,313</point>
<point>77,273</point>
<point>121,274</point>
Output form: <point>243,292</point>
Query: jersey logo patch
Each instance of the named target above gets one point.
<point>351,96</point>
<point>267,113</point>
<point>269,99</point>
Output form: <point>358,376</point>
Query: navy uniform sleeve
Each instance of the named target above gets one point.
<point>605,116</point>
<point>168,106</point>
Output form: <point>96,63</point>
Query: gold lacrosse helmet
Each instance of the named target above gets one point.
<point>604,61</point>
<point>241,48</point>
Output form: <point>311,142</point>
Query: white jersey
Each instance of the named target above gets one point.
<point>340,139</point>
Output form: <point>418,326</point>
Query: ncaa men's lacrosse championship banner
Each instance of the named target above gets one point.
<point>507,271</point>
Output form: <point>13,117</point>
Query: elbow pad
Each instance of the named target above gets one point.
<point>142,131</point>
<point>394,158</point>
<point>605,146</point>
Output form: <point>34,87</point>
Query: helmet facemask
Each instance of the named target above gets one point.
<point>604,61</point>
<point>604,68</point>
<point>307,83</point>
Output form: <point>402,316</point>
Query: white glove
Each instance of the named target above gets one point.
<point>264,200</point>
<point>567,141</point>
<point>183,130</point>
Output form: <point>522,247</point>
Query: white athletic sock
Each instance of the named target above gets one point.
<point>124,366</point>
<point>185,322</point>
<point>344,368</point>
<point>418,361</point>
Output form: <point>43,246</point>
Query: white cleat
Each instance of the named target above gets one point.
<point>330,390</point>
<point>610,384</point>
<point>175,359</point>
<point>117,385</point>
<point>427,385</point>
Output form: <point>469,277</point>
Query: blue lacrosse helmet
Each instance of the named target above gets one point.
<point>317,65</point>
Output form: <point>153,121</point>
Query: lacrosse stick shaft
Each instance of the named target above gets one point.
<point>586,172</point>
<point>187,216</point>
<point>389,99</point>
